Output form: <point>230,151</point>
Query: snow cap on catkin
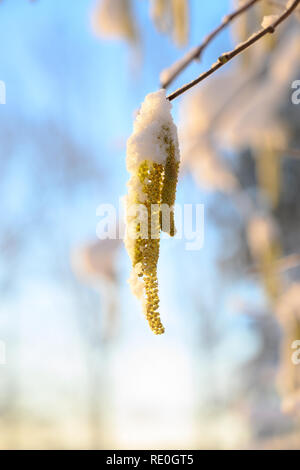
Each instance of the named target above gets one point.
<point>145,142</point>
<point>153,164</point>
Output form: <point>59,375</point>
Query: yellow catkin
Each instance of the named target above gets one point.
<point>152,161</point>
<point>180,21</point>
<point>161,14</point>
<point>114,19</point>
<point>243,28</point>
<point>147,249</point>
<point>268,270</point>
<point>171,169</point>
<point>158,184</point>
<point>268,173</point>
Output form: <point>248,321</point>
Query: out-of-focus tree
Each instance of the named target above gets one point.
<point>239,135</point>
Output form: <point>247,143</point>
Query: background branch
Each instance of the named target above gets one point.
<point>227,56</point>
<point>168,75</point>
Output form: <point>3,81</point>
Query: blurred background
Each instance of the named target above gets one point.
<point>82,370</point>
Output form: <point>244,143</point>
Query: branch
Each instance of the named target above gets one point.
<point>227,56</point>
<point>172,72</point>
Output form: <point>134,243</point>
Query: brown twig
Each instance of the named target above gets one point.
<point>172,72</point>
<point>227,56</point>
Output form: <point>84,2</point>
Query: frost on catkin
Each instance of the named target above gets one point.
<point>153,164</point>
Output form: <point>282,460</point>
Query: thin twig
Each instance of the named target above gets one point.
<point>172,72</point>
<point>227,56</point>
